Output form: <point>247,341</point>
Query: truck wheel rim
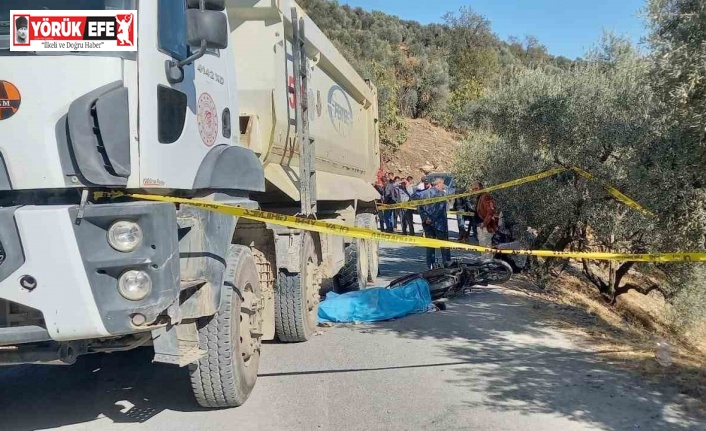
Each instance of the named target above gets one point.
<point>250,326</point>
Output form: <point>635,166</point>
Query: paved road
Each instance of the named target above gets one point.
<point>487,363</point>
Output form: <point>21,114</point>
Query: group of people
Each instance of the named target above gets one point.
<point>479,214</point>
<point>395,190</point>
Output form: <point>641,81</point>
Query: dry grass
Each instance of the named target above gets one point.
<point>632,326</point>
<point>428,146</point>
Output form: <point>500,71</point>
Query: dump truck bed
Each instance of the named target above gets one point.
<point>343,111</point>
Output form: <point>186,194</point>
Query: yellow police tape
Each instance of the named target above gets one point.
<point>614,192</point>
<point>361,233</point>
<point>531,178</point>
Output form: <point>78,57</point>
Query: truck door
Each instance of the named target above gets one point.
<point>179,122</point>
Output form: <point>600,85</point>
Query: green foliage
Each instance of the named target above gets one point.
<point>421,71</point>
<point>596,117</point>
<point>433,88</point>
<point>393,129</point>
<point>466,91</point>
<point>678,39</point>
<point>689,304</point>
<point>635,122</point>
<point>481,65</point>
<point>675,161</point>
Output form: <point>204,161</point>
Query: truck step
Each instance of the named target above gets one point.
<point>23,334</point>
<point>186,356</point>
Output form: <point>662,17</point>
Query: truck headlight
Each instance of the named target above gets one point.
<point>135,285</point>
<point>125,236</point>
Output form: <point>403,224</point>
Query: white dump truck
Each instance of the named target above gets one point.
<point>240,102</point>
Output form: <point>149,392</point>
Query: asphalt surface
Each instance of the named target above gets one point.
<point>489,362</point>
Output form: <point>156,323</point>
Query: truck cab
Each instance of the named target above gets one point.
<point>198,110</point>
<point>122,119</point>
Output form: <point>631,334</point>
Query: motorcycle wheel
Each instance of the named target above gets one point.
<point>440,286</point>
<point>493,271</point>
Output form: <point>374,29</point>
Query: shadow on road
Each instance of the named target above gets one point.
<point>520,362</point>
<point>123,387</point>
<point>402,260</point>
<point>408,367</point>
<point>497,344</point>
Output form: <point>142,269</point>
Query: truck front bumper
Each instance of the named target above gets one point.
<point>73,271</point>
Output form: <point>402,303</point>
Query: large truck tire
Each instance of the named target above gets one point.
<point>297,297</point>
<point>226,375</point>
<point>362,259</point>
<point>348,278</point>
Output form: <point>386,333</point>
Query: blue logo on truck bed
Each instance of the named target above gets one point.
<point>340,110</point>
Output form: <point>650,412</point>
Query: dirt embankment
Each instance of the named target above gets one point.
<point>429,148</point>
<point>633,326</point>
<point>630,329</point>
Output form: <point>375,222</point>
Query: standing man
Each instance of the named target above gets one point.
<point>434,220</point>
<point>486,219</point>
<point>380,187</point>
<point>388,199</point>
<point>409,212</point>
<point>463,205</point>
<point>397,199</point>
<point>472,202</point>
<point>406,213</point>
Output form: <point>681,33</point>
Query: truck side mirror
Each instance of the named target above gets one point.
<point>206,27</point>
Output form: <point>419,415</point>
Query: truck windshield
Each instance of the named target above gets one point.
<point>7,5</point>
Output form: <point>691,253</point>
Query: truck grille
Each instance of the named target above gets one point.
<point>13,315</point>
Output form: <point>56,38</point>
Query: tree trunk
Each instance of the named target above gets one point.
<point>612,289</point>
<point>622,272</point>
<point>602,286</point>
<point>611,280</point>
<point>564,241</point>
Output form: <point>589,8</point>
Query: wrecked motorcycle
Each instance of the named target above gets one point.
<point>459,275</point>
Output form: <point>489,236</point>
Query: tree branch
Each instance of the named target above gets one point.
<point>621,272</point>
<point>593,278</point>
<point>640,289</point>
<point>566,239</point>
<point>541,238</point>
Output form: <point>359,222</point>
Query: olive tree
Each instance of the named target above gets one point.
<point>675,162</point>
<point>595,117</point>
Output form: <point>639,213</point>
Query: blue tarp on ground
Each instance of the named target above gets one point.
<point>374,305</point>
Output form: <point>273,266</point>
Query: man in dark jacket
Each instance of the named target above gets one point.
<point>388,198</point>
<point>406,215</point>
<point>380,187</point>
<point>434,220</point>
<point>464,205</point>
